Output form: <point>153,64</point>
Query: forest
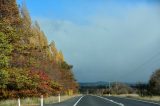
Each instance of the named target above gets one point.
<point>30,66</point>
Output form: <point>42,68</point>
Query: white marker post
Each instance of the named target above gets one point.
<point>19,103</point>
<point>41,100</point>
<point>59,98</point>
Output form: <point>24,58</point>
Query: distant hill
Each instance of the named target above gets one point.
<point>100,83</point>
<point>104,83</point>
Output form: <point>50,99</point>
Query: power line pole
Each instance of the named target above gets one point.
<point>109,89</point>
<point>116,88</point>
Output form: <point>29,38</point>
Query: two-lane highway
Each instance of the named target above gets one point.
<point>91,100</point>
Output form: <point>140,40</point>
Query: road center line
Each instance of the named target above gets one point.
<point>120,104</point>
<point>78,101</point>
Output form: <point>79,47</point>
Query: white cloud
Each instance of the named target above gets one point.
<point>107,44</point>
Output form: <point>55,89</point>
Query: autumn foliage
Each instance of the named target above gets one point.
<point>29,66</point>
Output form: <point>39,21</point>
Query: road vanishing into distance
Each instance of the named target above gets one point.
<point>91,100</point>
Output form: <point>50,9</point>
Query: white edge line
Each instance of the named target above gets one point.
<point>139,100</point>
<point>120,104</point>
<point>78,101</point>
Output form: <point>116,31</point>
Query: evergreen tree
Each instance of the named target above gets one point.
<point>9,12</point>
<point>154,83</point>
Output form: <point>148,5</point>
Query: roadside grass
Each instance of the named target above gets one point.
<point>147,98</point>
<point>34,101</point>
<point>54,99</point>
<point>24,102</point>
<point>136,96</point>
<point>8,103</point>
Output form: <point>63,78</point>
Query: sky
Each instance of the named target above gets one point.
<point>105,40</point>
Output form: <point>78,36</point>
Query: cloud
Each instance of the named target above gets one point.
<point>109,46</point>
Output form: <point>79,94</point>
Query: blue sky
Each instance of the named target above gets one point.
<point>105,40</point>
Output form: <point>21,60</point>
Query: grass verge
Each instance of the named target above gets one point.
<point>34,101</point>
<point>145,98</point>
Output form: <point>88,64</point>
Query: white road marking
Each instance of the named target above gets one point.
<point>120,104</point>
<point>78,101</point>
<point>139,100</point>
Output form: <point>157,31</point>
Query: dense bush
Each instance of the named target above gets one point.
<point>25,83</point>
<point>154,83</point>
<point>121,88</point>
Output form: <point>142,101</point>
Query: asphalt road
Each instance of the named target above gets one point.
<point>90,100</point>
<point>132,102</point>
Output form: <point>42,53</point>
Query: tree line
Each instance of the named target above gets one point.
<point>150,88</point>
<point>29,65</point>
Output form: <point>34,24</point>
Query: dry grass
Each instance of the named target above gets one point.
<point>34,101</point>
<point>54,99</point>
<point>24,102</point>
<point>136,96</point>
<point>148,98</point>
<point>8,103</point>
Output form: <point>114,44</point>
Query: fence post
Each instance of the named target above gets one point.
<point>41,100</point>
<point>59,98</point>
<point>19,103</point>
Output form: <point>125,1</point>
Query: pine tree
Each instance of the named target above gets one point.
<point>25,16</point>
<point>5,50</point>
<point>9,12</point>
